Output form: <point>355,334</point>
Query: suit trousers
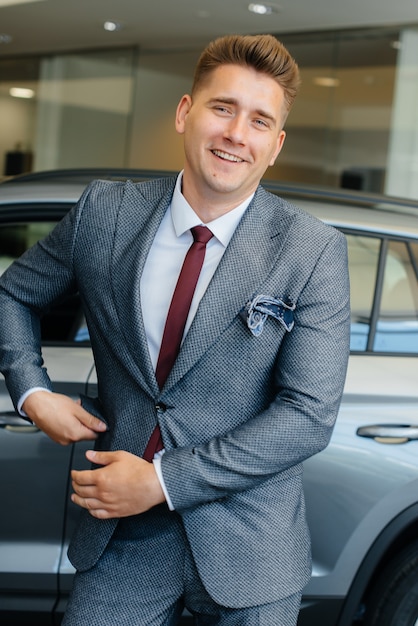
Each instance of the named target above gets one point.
<point>147,576</point>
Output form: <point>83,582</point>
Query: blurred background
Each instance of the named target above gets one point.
<point>95,83</point>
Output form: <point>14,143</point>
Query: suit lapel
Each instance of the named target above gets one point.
<point>140,215</point>
<point>251,254</point>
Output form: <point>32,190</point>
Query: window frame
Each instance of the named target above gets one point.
<point>385,240</point>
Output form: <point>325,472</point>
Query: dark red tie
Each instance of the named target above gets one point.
<point>176,319</point>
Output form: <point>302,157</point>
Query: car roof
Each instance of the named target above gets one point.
<point>382,219</point>
<point>343,208</point>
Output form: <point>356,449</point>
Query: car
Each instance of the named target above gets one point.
<point>361,491</point>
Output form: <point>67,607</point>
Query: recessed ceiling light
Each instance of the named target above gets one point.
<point>112,26</point>
<point>263,9</point>
<point>21,92</point>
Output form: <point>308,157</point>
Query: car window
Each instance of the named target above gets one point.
<point>64,322</point>
<point>397,324</point>
<point>16,238</point>
<point>363,259</point>
<point>385,304</point>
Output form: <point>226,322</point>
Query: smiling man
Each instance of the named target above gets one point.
<point>233,130</point>
<point>219,321</point>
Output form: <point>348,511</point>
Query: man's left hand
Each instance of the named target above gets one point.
<point>124,485</point>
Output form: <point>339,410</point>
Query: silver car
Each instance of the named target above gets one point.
<point>362,491</point>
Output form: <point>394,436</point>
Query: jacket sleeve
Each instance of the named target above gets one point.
<point>28,288</point>
<point>309,376</point>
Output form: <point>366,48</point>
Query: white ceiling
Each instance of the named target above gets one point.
<point>37,26</point>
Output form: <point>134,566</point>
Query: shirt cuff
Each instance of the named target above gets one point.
<point>157,465</point>
<point>25,396</point>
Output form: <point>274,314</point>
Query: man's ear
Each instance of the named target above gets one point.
<point>183,109</point>
<point>279,146</point>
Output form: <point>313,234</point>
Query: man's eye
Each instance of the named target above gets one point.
<point>221,109</point>
<point>261,123</point>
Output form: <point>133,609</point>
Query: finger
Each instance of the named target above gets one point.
<point>91,477</point>
<point>84,477</point>
<point>90,421</point>
<point>102,514</point>
<point>84,434</point>
<point>93,506</point>
<point>84,491</point>
<point>100,457</point>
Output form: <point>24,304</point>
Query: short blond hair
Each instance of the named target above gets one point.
<point>264,53</point>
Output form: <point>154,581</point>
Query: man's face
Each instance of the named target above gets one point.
<point>232,133</point>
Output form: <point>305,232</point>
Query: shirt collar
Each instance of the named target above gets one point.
<point>184,218</point>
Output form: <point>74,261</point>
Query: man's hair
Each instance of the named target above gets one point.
<point>264,53</point>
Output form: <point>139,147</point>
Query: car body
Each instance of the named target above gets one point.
<point>361,492</point>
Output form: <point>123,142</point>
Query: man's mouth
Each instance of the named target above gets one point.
<point>227,157</point>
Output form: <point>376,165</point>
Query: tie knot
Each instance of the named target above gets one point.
<point>201,234</point>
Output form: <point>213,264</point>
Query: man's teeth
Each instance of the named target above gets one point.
<point>228,157</point>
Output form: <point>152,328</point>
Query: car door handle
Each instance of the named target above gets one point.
<point>389,433</point>
<point>12,422</point>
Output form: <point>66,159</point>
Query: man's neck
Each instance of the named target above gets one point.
<point>212,205</point>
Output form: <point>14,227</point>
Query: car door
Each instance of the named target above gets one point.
<point>34,471</point>
<point>79,462</point>
<point>367,478</point>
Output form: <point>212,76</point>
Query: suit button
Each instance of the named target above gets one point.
<point>161,407</point>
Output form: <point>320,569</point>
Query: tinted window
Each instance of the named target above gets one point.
<point>16,238</point>
<point>64,322</point>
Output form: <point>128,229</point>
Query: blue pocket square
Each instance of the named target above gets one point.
<point>256,312</point>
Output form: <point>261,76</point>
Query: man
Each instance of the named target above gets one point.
<point>214,521</point>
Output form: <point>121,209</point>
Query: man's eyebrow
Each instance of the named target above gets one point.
<point>222,100</point>
<point>233,101</point>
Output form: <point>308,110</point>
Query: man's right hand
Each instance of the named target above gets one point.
<point>64,420</point>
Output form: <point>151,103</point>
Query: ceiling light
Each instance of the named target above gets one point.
<point>263,9</point>
<point>21,92</point>
<point>112,26</point>
<point>326,81</point>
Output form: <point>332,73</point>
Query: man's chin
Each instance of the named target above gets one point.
<point>229,185</point>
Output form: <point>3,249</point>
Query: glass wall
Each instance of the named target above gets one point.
<point>354,123</point>
<point>64,111</point>
<point>339,129</point>
<point>17,114</point>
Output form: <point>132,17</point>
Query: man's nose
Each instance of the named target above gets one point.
<point>237,129</point>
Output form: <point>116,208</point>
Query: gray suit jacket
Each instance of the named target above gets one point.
<point>240,411</point>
